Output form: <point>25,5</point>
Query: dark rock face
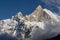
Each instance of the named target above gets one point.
<point>55,38</point>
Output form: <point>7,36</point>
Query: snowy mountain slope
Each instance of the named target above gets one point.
<point>39,25</point>
<point>51,27</point>
<point>7,25</point>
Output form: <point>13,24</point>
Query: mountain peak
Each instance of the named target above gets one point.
<point>20,15</point>
<point>40,22</point>
<point>39,7</point>
<point>38,10</point>
<point>35,15</point>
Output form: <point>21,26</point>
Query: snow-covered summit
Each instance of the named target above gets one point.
<point>40,24</point>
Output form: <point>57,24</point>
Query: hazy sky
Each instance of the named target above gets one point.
<point>9,8</point>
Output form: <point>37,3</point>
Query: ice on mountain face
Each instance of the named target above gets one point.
<point>40,24</point>
<point>53,16</point>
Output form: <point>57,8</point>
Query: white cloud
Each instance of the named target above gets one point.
<point>51,28</point>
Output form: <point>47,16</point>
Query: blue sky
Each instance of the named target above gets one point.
<point>9,8</point>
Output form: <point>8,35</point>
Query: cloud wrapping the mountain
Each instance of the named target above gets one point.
<point>44,24</point>
<point>51,28</point>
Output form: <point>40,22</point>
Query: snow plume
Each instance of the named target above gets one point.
<point>40,25</point>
